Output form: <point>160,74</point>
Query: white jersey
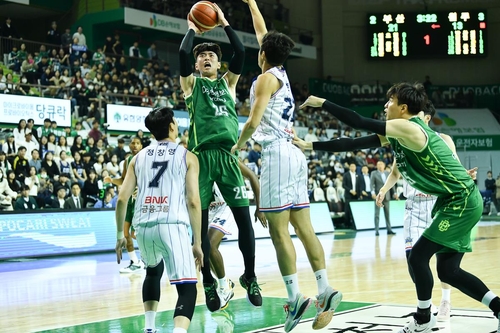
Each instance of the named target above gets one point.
<point>161,181</point>
<point>277,120</point>
<point>411,193</point>
<point>220,216</point>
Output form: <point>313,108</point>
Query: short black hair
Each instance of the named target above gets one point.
<point>158,122</point>
<point>411,94</point>
<point>277,47</point>
<point>204,47</point>
<point>76,184</point>
<point>120,140</point>
<point>429,109</point>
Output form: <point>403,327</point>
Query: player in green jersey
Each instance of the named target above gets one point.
<point>210,101</point>
<point>135,265</point>
<point>429,165</point>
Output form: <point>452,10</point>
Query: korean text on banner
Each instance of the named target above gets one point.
<point>14,108</point>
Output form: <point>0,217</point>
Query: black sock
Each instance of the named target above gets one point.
<point>423,316</point>
<point>246,238</point>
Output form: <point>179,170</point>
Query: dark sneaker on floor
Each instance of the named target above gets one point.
<point>211,297</point>
<point>253,290</point>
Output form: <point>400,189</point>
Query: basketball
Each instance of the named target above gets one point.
<point>204,15</point>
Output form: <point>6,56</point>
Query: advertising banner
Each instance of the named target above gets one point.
<point>14,108</point>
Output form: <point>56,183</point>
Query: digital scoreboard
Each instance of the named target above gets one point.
<point>426,35</point>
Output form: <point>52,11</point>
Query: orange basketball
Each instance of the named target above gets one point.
<point>204,15</point>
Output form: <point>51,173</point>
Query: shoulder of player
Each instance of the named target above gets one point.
<point>267,81</point>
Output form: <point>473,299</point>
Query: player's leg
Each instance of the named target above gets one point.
<point>135,265</point>
<point>212,299</point>
<point>376,219</point>
<point>154,270</point>
<point>387,215</point>
<point>184,309</point>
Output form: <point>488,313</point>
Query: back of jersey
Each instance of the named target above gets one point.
<point>161,180</point>
<point>277,120</point>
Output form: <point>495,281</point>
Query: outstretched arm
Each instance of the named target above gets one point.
<point>340,144</point>
<point>186,68</point>
<point>238,59</point>
<point>259,24</point>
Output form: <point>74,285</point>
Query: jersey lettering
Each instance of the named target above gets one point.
<point>156,180</point>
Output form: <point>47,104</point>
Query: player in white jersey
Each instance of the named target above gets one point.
<point>168,201</point>
<point>284,197</point>
<point>418,217</point>
<point>222,223</point>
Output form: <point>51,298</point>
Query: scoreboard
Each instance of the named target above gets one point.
<point>425,35</point>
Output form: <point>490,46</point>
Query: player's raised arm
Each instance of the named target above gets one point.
<point>259,24</point>
<point>194,204</point>
<point>341,144</point>
<point>185,50</point>
<point>238,59</point>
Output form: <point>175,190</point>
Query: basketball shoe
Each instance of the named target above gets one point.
<point>253,290</point>
<point>225,294</point>
<point>294,311</point>
<point>444,311</point>
<point>133,268</point>
<point>326,303</point>
<point>211,297</point>
<point>150,330</point>
<point>414,327</point>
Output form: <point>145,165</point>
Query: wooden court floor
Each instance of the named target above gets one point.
<point>53,294</point>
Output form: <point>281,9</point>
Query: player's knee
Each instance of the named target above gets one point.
<point>448,274</point>
<point>155,272</point>
<point>186,300</point>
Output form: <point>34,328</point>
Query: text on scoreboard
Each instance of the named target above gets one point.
<point>425,35</point>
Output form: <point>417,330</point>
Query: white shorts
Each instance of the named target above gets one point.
<point>221,218</point>
<point>172,243</point>
<point>283,177</point>
<point>417,219</point>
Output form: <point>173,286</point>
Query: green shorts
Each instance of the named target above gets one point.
<point>220,166</point>
<point>454,217</point>
<point>130,211</point>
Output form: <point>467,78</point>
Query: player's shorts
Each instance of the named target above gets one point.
<point>172,243</point>
<point>221,218</point>
<point>283,177</point>
<point>417,218</point>
<point>219,165</point>
<point>454,218</point>
<point>130,210</point>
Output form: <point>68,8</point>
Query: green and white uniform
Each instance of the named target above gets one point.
<point>435,170</point>
<point>213,131</point>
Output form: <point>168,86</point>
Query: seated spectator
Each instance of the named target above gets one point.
<point>108,200</point>
<point>52,143</point>
<point>7,195</point>
<point>91,189</point>
<point>13,183</point>
<point>119,151</point>
<point>29,143</point>
<point>99,165</point>
<point>25,201</point>
<point>60,199</point>
<point>50,166</point>
<point>62,146</point>
<point>113,166</point>
<point>4,164</point>
<point>65,166</point>
<point>33,182</point>
<point>95,132</point>
<point>10,148</point>
<point>63,183</point>
<point>78,146</point>
<point>78,169</point>
<point>75,201</point>
<point>21,164</point>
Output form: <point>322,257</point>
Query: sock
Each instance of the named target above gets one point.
<point>150,319</point>
<point>321,280</point>
<point>133,257</point>
<point>423,305</point>
<point>292,286</point>
<point>488,297</point>
<point>223,283</point>
<point>446,295</point>
<point>179,330</point>
<point>494,304</point>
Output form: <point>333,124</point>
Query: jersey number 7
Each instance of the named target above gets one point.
<point>163,167</point>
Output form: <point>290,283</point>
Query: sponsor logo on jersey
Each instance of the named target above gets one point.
<point>150,199</point>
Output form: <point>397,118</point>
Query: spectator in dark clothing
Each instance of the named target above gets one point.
<point>95,132</point>
<point>53,36</point>
<point>66,39</point>
<point>108,46</point>
<point>25,202</point>
<point>117,46</point>
<point>8,32</point>
<point>63,183</point>
<point>90,191</point>
<point>119,151</point>
<point>21,165</point>
<point>50,166</point>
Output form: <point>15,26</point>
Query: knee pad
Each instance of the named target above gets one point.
<point>186,300</point>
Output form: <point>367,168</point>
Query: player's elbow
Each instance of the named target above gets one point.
<point>193,201</point>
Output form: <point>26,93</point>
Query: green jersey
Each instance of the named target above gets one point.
<point>212,113</point>
<point>435,169</point>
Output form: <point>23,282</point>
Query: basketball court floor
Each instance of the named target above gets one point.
<point>77,294</point>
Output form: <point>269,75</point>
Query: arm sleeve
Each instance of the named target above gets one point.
<point>184,53</point>
<point>236,63</point>
<point>348,144</point>
<point>353,119</point>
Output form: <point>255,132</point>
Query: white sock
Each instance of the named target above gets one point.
<point>223,283</point>
<point>424,304</point>
<point>446,295</point>
<point>133,257</point>
<point>321,280</point>
<point>292,286</point>
<point>179,330</point>
<point>150,319</point>
<point>488,297</point>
